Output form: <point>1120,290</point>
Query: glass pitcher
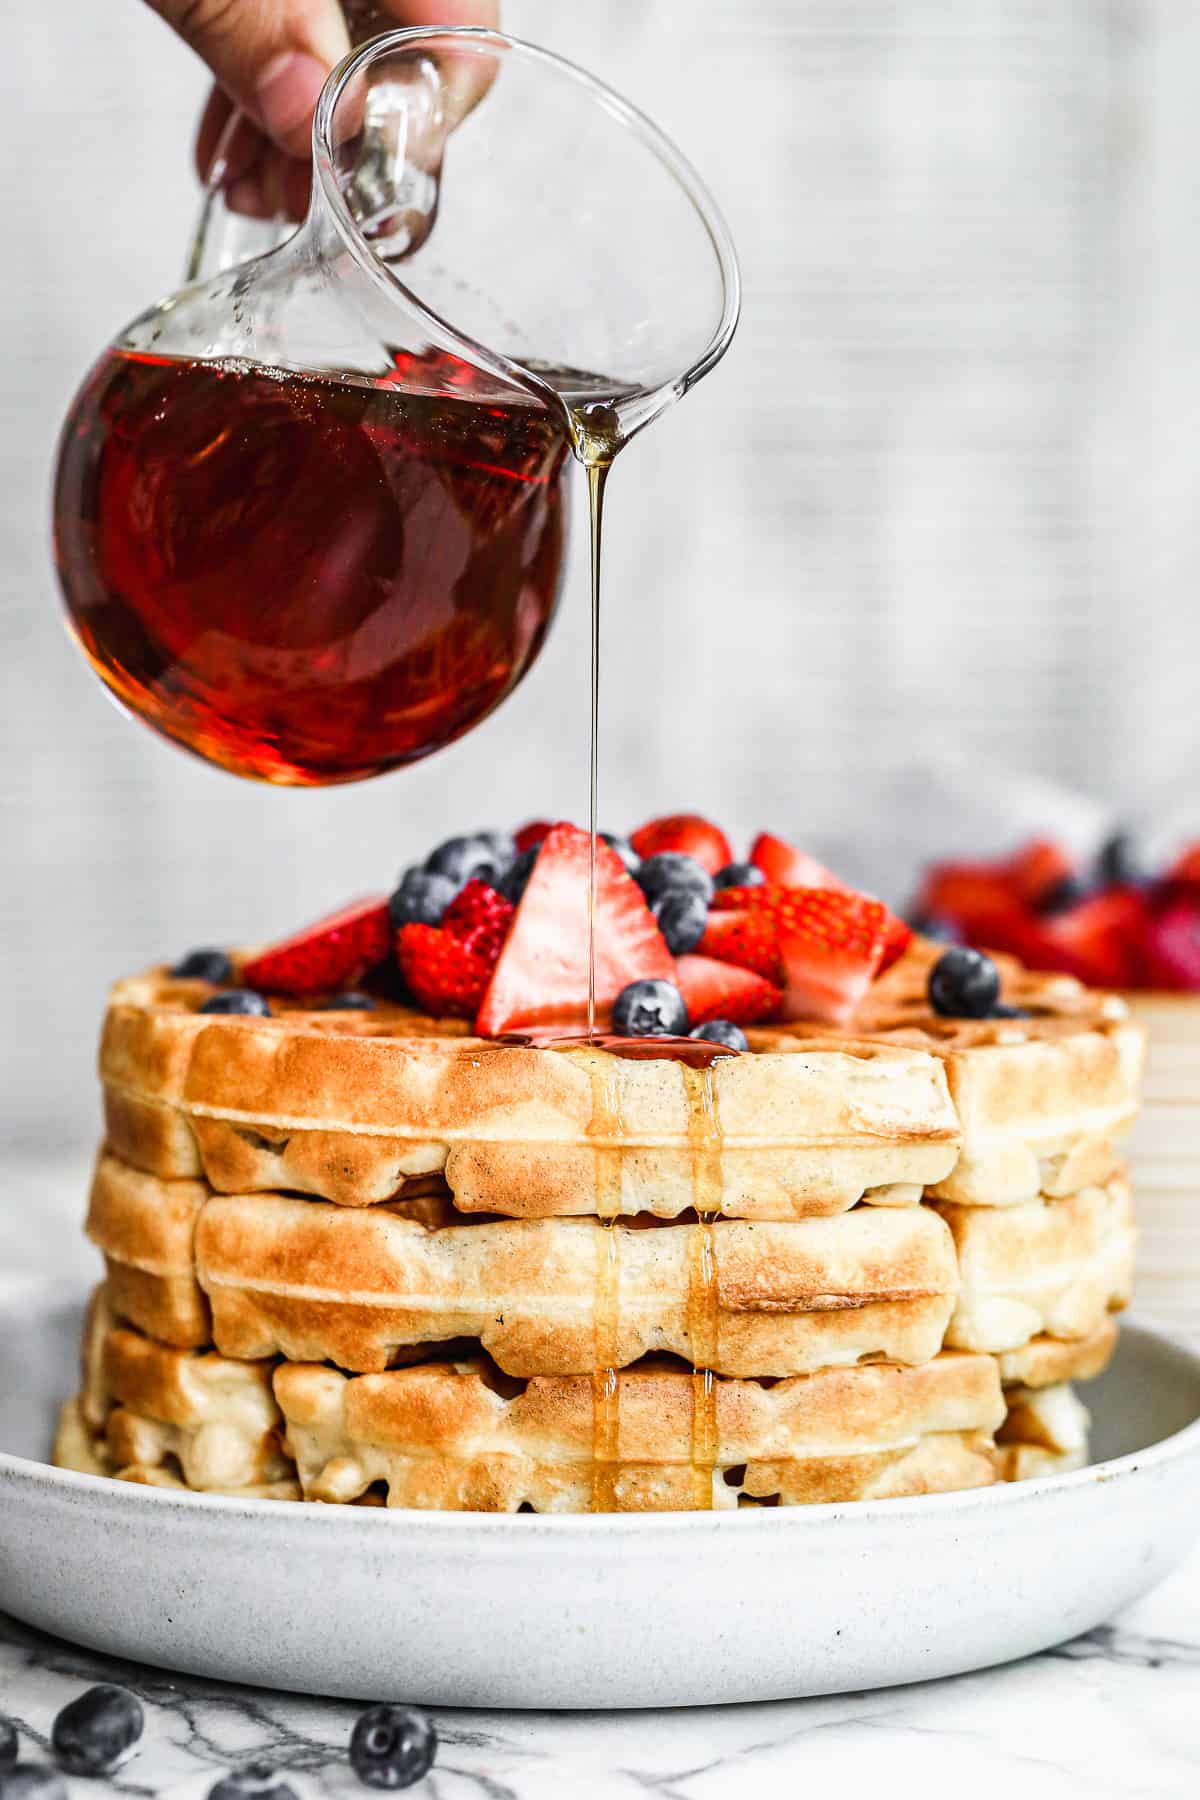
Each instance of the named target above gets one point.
<point>310,513</point>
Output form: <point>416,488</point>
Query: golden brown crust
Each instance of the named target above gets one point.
<point>145,1229</point>
<point>1049,1362</point>
<point>1045,1433</point>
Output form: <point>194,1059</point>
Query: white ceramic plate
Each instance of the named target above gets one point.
<point>464,1609</point>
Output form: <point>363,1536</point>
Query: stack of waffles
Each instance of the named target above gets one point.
<point>364,1257</point>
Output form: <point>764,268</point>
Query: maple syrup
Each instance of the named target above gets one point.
<point>309,578</point>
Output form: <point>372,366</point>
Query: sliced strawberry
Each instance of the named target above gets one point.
<point>897,936</point>
<point>1171,948</point>
<point>533,833</point>
<point>1101,937</point>
<point>717,990</point>
<point>832,944</point>
<point>542,975</point>
<point>788,867</point>
<point>481,918</point>
<point>335,952</point>
<point>1186,867</point>
<point>1036,869</point>
<point>746,939</point>
<point>445,976</point>
<point>963,893</point>
<point>688,833</point>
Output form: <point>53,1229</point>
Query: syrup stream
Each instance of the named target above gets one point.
<point>597,477</point>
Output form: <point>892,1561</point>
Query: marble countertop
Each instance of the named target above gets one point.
<point>1111,1714</point>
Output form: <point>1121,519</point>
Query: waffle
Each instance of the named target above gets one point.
<point>1049,1362</point>
<point>1045,1433</point>
<point>443,1436</point>
<point>1056,1267</point>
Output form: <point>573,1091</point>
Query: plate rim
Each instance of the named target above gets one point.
<point>502,1527</point>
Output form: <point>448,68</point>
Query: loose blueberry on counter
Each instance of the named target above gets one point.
<point>32,1781</point>
<point>349,1003</point>
<point>964,984</point>
<point>92,1734</point>
<point>421,898</point>
<point>1118,864</point>
<point>650,1009</point>
<point>682,917</point>
<point>722,1031</point>
<point>393,1746</point>
<point>461,858</point>
<point>1063,895</point>
<point>515,879</point>
<point>259,1781</point>
<point>8,1745</point>
<point>204,965</point>
<point>739,875</point>
<point>624,850</point>
<point>673,872</point>
<point>238,1000</point>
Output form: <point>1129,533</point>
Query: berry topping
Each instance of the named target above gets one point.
<point>832,944</point>
<point>717,990</point>
<point>32,1781</point>
<point>1065,893</point>
<point>681,917</point>
<point>8,1744</point>
<point>92,1734</point>
<point>933,926</point>
<point>685,832</point>
<point>238,1000</point>
<point>531,835</point>
<point>259,1781</point>
<point>739,875</point>
<point>542,975</point>
<point>624,850</point>
<point>204,965</point>
<point>650,1009</point>
<point>393,1747</point>
<point>745,938</point>
<point>1037,870</point>
<point>461,857</point>
<point>1172,948</point>
<point>515,879</point>
<point>332,953</point>
<point>1117,862</point>
<point>502,844</point>
<point>788,867</point>
<point>444,974</point>
<point>421,898</point>
<point>722,1031</point>
<point>964,984</point>
<point>350,1002</point>
<point>897,936</point>
<point>481,918</point>
<point>1099,939</point>
<point>673,872</point>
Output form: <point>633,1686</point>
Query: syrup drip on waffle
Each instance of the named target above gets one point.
<point>606,1128</point>
<point>707,1139</point>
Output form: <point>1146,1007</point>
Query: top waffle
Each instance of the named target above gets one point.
<point>358,1108</point>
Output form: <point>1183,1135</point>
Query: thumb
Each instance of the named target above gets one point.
<point>270,56</point>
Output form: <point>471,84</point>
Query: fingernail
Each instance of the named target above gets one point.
<point>287,93</point>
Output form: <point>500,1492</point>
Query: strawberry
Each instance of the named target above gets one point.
<point>963,893</point>
<point>897,936</point>
<point>832,944</point>
<point>746,939</point>
<point>1100,937</point>
<point>787,867</point>
<point>716,990</point>
<point>335,952</point>
<point>542,975</point>
<point>445,976</point>
<point>1037,869</point>
<point>533,833</point>
<point>686,832</point>
<point>481,918</point>
<point>1171,947</point>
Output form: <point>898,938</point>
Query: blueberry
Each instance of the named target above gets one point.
<point>964,984</point>
<point>515,879</point>
<point>672,871</point>
<point>1117,863</point>
<point>739,875</point>
<point>722,1031</point>
<point>421,898</point>
<point>932,925</point>
<point>1008,1012</point>
<point>502,846</point>
<point>650,1009</point>
<point>8,1744</point>
<point>204,965</point>
<point>1064,894</point>
<point>463,858</point>
<point>682,918</point>
<point>349,1003</point>
<point>92,1734</point>
<point>624,850</point>
<point>237,1000</point>
<point>392,1746</point>
<point>258,1781</point>
<point>31,1781</point>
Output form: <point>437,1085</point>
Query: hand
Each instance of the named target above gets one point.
<point>270,59</point>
